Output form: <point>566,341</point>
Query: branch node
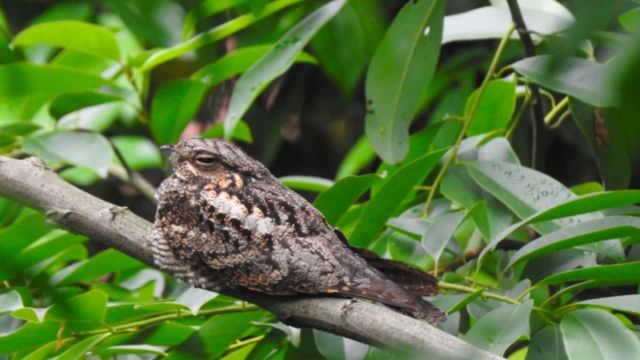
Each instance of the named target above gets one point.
<point>58,216</point>
<point>346,307</point>
<point>117,210</point>
<point>36,162</point>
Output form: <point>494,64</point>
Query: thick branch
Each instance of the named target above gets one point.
<point>29,182</point>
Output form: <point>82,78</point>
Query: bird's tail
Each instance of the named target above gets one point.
<point>389,293</point>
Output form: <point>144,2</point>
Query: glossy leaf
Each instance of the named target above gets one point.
<point>584,233</point>
<point>501,327</point>
<point>275,62</point>
<point>86,149</point>
<point>630,20</point>
<point>242,132</point>
<point>306,183</point>
<point>401,67</point>
<point>626,303</point>
<point>627,273</point>
<point>391,193</point>
<point>10,301</point>
<point>174,105</point>
<point>582,79</point>
<point>80,349</point>
<point>28,336</point>
<point>597,334</point>
<point>105,262</point>
<point>336,200</point>
<point>76,35</point>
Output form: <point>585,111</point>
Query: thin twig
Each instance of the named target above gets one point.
<point>529,51</point>
<point>468,118</point>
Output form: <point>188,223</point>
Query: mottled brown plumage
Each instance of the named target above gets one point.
<point>224,221</point>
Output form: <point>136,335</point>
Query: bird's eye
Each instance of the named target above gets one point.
<point>205,159</point>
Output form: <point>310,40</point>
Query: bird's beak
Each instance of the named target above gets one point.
<point>167,149</point>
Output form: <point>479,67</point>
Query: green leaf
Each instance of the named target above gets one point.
<point>215,335</point>
<point>90,306</point>
<point>242,132</point>
<point>336,200</point>
<point>206,9</point>
<point>630,20</point>
<point>217,33</point>
<point>334,347</point>
<point>43,352</point>
<point>360,155</point>
<point>28,336</point>
<point>138,152</point>
<point>194,298</point>
<point>86,149</point>
<point>174,105</point>
<point>77,35</point>
<point>582,79</point>
<point>596,334</point>
<point>500,328</point>
<point>495,108</point>
<point>628,273</point>
<point>390,195</point>
<point>275,62</point>
<point>103,263</point>
<point>401,67</point>
<point>605,139</point>
<point>25,79</point>
<point>439,233</point>
<point>306,183</point>
<point>525,192</point>
<point>69,103</point>
<point>237,62</point>
<point>585,233</point>
<point>626,303</point>
<point>79,350</point>
<point>546,344</point>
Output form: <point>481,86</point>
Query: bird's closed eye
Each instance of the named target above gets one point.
<point>205,159</point>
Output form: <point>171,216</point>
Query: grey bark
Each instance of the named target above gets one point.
<point>30,182</point>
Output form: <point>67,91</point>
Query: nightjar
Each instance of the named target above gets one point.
<point>224,221</point>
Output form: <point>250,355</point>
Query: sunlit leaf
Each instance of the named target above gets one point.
<point>335,201</point>
<point>174,105</point>
<point>306,183</point>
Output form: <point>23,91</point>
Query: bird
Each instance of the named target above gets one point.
<point>223,221</point>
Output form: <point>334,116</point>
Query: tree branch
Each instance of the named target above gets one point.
<point>28,181</point>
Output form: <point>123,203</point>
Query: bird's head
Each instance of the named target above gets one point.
<point>211,159</point>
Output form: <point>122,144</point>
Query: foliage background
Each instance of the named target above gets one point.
<point>414,122</point>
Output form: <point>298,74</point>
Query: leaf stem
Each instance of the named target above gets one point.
<point>557,109</point>
<point>468,117</point>
<point>243,343</point>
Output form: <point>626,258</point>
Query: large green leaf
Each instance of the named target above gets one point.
<point>275,62</point>
<point>87,149</point>
<point>582,79</point>
<point>628,273</point>
<point>525,192</point>
<point>360,155</point>
<point>390,195</point>
<point>500,328</point>
<point>400,69</point>
<point>597,334</point>
<point>216,34</point>
<point>26,79</point>
<point>139,152</point>
<point>584,233</point>
<point>174,105</point>
<point>103,263</point>
<point>439,233</point>
<point>237,62</point>
<point>77,35</point>
<point>336,200</point>
<point>28,336</point>
<point>626,303</point>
